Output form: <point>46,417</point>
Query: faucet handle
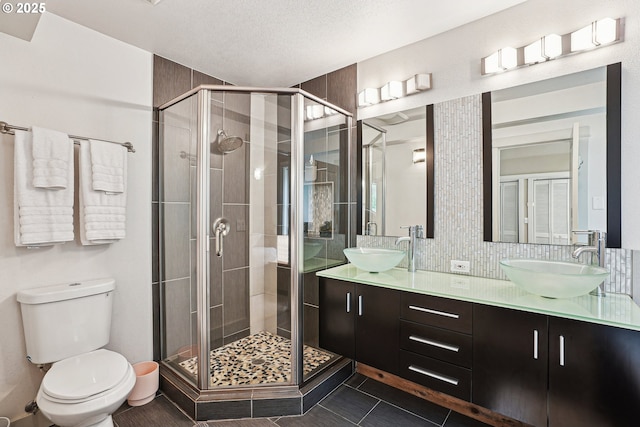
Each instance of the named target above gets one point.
<point>419,231</point>
<point>594,235</point>
<point>411,228</point>
<point>583,231</point>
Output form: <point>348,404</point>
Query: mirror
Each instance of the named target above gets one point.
<point>395,167</point>
<point>552,159</point>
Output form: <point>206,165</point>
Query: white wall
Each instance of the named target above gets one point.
<point>454,59</point>
<point>75,80</point>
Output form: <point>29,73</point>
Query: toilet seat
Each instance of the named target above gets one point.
<point>85,377</point>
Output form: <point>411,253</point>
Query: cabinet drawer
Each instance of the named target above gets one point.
<point>441,312</point>
<point>436,374</point>
<point>448,346</point>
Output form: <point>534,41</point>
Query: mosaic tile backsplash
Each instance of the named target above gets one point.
<point>458,207</point>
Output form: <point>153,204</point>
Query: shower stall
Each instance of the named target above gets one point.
<point>255,197</point>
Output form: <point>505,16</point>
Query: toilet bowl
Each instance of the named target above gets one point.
<point>67,325</point>
<point>84,390</point>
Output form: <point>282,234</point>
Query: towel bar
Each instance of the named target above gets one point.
<point>8,129</point>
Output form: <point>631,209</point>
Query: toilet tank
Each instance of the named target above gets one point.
<point>65,320</point>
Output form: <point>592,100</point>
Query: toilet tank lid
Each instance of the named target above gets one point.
<point>66,291</point>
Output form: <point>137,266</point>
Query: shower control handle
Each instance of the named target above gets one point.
<point>220,228</point>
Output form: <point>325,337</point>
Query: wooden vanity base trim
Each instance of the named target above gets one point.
<point>458,405</point>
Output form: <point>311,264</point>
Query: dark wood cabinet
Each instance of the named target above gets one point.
<point>336,317</point>
<point>543,370</point>
<point>377,327</point>
<point>548,371</point>
<point>436,343</point>
<point>594,375</point>
<point>510,363</point>
<point>360,322</point>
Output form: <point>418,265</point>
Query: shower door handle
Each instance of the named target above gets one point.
<point>221,228</point>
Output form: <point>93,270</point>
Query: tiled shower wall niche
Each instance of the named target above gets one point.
<point>459,207</point>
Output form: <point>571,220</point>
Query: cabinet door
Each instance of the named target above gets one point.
<point>594,375</point>
<point>510,363</point>
<point>378,327</point>
<point>336,317</point>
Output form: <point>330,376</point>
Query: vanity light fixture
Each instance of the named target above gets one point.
<point>369,96</point>
<point>329,111</point>
<point>547,47</point>
<point>392,90</point>
<point>419,155</point>
<point>504,59</point>
<point>598,33</point>
<point>315,111</point>
<point>418,83</point>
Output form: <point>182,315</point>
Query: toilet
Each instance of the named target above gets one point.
<point>67,325</point>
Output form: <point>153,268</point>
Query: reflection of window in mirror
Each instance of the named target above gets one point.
<point>394,185</point>
<point>549,140</point>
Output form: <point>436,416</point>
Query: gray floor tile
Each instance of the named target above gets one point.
<point>259,422</point>
<point>355,380</point>
<point>316,417</point>
<point>459,420</point>
<point>385,415</point>
<point>423,408</point>
<point>349,403</point>
<point>159,412</point>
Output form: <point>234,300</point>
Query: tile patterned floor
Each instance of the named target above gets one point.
<point>359,401</point>
<point>257,359</point>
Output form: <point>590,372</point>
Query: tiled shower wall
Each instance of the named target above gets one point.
<point>459,207</point>
<point>232,199</point>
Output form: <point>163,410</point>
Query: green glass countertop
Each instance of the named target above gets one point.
<point>613,310</point>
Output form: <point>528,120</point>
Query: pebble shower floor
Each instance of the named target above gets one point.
<point>256,359</point>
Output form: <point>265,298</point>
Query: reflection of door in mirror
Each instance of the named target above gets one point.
<point>373,186</point>
<point>549,159</point>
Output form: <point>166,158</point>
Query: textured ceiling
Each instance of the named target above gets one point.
<point>272,42</point>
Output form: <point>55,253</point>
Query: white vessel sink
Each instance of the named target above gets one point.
<point>311,249</point>
<point>374,260</point>
<point>553,279</point>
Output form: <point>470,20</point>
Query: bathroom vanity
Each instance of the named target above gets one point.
<point>568,362</point>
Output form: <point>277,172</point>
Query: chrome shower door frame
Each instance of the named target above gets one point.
<point>203,159</point>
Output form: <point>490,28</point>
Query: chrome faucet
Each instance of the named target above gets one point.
<point>596,245</point>
<point>415,231</point>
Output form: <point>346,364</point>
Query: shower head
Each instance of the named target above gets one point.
<point>227,144</point>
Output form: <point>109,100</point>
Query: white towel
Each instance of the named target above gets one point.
<point>51,164</point>
<point>102,214</point>
<point>42,217</point>
<point>108,165</point>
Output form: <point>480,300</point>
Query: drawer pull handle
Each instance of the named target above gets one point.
<point>348,302</point>
<point>561,350</point>
<point>432,374</point>
<point>434,343</point>
<point>360,305</point>
<point>535,344</point>
<point>439,313</point>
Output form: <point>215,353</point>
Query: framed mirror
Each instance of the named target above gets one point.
<point>551,157</point>
<point>395,166</point>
